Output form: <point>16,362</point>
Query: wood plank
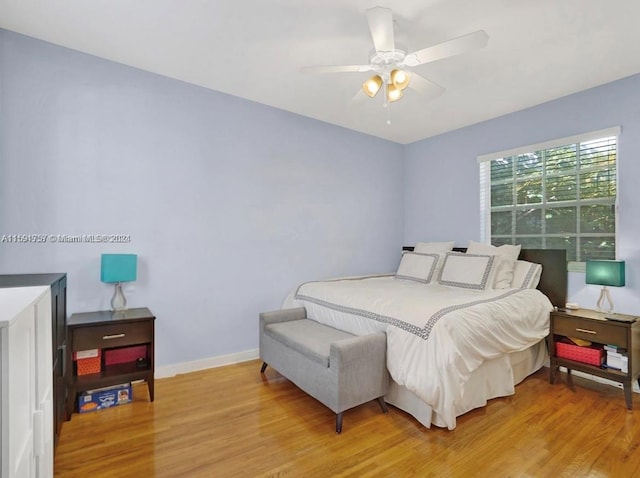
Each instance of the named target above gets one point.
<point>231,421</point>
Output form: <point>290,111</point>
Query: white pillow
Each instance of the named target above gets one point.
<point>505,250</point>
<point>526,275</point>
<point>469,271</point>
<point>503,277</point>
<point>433,247</point>
<point>507,256</point>
<point>417,267</point>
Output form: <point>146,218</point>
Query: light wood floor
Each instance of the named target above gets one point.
<point>230,421</point>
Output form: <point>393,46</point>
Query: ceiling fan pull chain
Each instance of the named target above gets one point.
<point>389,114</point>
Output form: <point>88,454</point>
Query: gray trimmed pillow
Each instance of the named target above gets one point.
<point>418,267</point>
<point>526,275</point>
<point>507,256</point>
<point>468,271</point>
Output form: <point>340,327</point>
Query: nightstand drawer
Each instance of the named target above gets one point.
<point>602,332</point>
<point>112,335</point>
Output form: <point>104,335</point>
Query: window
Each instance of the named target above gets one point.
<point>556,195</point>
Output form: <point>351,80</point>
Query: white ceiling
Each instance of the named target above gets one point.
<point>538,50</point>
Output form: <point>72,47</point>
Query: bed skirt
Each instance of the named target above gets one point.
<point>494,378</point>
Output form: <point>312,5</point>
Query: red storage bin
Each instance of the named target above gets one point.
<point>589,355</point>
<point>124,355</point>
<point>87,361</point>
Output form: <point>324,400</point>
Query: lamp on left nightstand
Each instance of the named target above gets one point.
<point>115,269</point>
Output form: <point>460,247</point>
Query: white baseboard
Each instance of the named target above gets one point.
<point>221,360</point>
<point>595,378</point>
<point>202,364</point>
<point>577,373</point>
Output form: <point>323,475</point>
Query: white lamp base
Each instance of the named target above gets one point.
<point>118,301</point>
<point>605,296</point>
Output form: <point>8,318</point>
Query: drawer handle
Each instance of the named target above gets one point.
<point>587,331</point>
<point>117,336</point>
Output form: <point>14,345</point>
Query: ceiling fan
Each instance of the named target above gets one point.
<point>391,64</point>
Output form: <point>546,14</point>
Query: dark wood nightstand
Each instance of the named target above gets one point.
<point>109,331</point>
<point>592,326</point>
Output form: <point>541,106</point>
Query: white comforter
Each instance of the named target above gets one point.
<point>436,335</point>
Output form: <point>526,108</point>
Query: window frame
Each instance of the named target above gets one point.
<point>484,163</point>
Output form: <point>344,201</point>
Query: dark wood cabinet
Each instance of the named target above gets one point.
<point>110,331</point>
<point>593,326</point>
<point>58,284</point>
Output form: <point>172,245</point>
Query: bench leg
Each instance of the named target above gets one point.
<point>264,367</point>
<point>339,422</point>
<point>383,405</point>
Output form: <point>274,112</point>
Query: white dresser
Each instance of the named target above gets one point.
<point>26,385</point>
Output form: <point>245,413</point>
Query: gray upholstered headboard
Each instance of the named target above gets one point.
<point>553,281</point>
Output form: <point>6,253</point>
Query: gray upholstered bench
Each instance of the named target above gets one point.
<point>339,369</point>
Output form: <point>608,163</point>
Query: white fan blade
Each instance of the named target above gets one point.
<point>381,25</point>
<point>335,69</point>
<point>425,87</point>
<point>463,44</point>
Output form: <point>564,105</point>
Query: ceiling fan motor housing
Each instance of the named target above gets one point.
<point>382,62</point>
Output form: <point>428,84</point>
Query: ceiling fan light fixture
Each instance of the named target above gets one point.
<point>399,78</point>
<point>372,86</point>
<point>393,93</point>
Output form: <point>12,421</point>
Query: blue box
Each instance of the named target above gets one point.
<point>107,397</point>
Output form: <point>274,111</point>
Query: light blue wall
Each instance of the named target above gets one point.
<point>228,203</point>
<point>442,183</point>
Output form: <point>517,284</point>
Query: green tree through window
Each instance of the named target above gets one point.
<point>554,196</point>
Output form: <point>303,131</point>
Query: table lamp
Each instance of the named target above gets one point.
<point>605,273</point>
<point>115,269</point>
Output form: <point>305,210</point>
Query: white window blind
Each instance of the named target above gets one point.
<point>555,195</point>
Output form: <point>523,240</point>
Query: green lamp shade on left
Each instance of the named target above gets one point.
<point>118,268</point>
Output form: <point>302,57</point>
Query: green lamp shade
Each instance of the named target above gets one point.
<point>609,273</point>
<point>118,268</point>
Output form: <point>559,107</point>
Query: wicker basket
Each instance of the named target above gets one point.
<point>590,355</point>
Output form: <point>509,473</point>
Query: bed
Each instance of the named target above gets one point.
<point>450,348</point>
